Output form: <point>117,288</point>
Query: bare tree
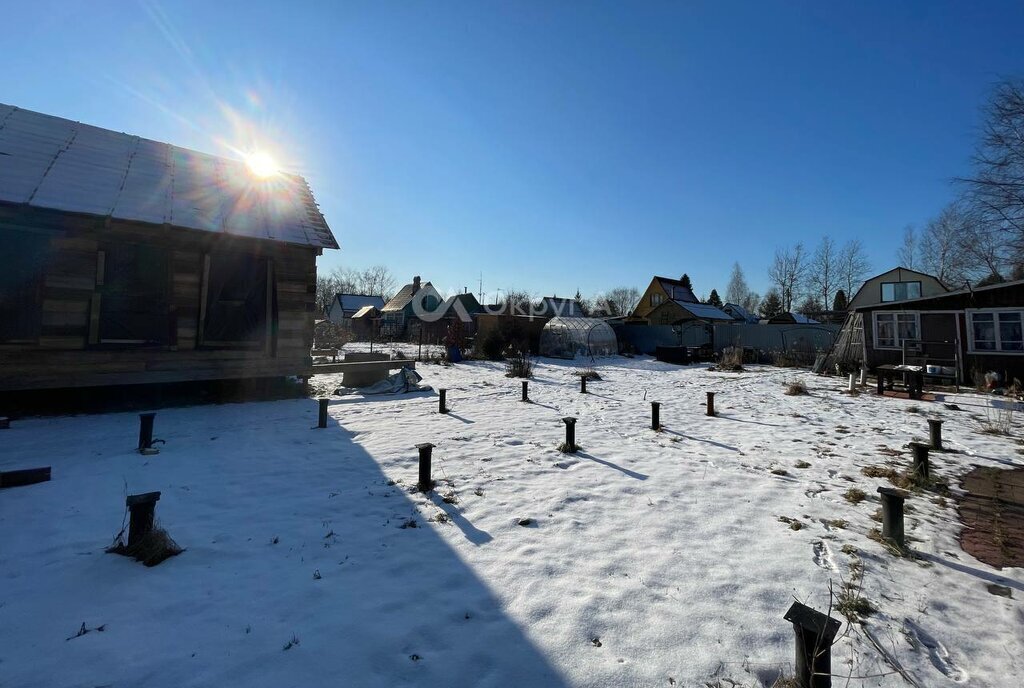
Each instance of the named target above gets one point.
<point>617,301</point>
<point>997,188</point>
<point>824,271</point>
<point>787,273</point>
<point>737,290</point>
<point>376,280</point>
<point>906,254</point>
<point>945,247</point>
<point>853,267</point>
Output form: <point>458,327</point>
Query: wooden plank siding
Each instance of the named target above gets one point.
<point>69,303</point>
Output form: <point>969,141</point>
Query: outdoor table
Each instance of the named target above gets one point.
<point>913,378</point>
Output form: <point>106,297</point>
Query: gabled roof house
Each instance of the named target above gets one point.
<point>128,261</point>
<point>405,307</point>
<point>345,306</point>
<point>668,301</point>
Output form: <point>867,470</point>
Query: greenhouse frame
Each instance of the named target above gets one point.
<point>572,337</point>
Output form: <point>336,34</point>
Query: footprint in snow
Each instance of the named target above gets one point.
<point>936,651</point>
<point>823,556</point>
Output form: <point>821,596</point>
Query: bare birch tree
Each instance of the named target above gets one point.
<point>906,254</point>
<point>787,272</point>
<point>853,267</point>
<point>823,272</point>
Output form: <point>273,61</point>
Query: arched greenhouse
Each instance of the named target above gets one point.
<point>571,337</point>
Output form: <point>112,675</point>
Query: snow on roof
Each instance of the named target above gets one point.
<point>355,302</point>
<point>58,164</point>
<point>704,311</point>
<point>364,311</point>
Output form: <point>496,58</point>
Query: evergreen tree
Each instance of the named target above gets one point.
<point>839,303</point>
<point>582,304</point>
<point>772,305</point>
<point>685,280</point>
<point>715,300</point>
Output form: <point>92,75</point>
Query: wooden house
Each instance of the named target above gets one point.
<point>344,307</point>
<point>668,301</point>
<point>127,261</point>
<point>401,316</point>
<point>898,284</point>
<point>974,331</point>
<point>890,287</point>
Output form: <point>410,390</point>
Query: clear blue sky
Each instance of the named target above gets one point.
<point>551,146</point>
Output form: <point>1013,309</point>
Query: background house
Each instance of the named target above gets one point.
<point>739,313</point>
<point>974,330</point>
<point>554,307</point>
<point>461,311</point>
<point>668,302</point>
<point>345,306</point>
<point>399,316</point>
<point>133,261</point>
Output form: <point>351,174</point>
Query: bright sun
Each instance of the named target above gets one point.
<point>262,164</point>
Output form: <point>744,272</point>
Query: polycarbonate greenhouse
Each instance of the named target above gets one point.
<point>571,337</point>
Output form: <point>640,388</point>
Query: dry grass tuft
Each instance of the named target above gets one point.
<point>855,495</point>
<point>796,388</point>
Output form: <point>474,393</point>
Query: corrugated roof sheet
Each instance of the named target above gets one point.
<point>55,163</point>
<point>704,311</point>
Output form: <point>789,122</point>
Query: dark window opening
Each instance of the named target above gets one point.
<point>237,309</point>
<point>133,306</point>
<point>20,281</point>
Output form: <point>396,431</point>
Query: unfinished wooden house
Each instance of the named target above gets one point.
<point>127,261</point>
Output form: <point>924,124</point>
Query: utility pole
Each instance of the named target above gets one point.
<point>480,287</point>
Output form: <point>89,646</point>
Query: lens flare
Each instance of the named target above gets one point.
<point>261,164</point>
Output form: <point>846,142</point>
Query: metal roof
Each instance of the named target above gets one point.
<point>704,311</point>
<point>354,302</point>
<point>364,311</point>
<point>55,163</point>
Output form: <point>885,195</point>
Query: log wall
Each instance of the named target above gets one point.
<point>63,356</point>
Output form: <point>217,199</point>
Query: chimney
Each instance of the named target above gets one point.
<point>415,284</point>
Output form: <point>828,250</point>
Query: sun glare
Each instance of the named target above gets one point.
<point>261,164</point>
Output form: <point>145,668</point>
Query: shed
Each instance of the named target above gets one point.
<point>128,261</point>
<point>344,307</point>
<point>571,337</point>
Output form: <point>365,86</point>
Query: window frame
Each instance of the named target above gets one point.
<point>265,343</point>
<point>657,299</point>
<point>898,343</point>
<point>100,290</point>
<point>995,313</point>
<point>881,291</point>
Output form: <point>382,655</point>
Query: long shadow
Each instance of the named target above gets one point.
<point>533,402</point>
<point>971,571</point>
<point>472,533</point>
<point>326,563</point>
<point>631,474</point>
<point>726,416</point>
<point>458,417</point>
<point>700,439</point>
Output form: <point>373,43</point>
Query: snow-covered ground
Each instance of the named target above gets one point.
<point>650,559</point>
